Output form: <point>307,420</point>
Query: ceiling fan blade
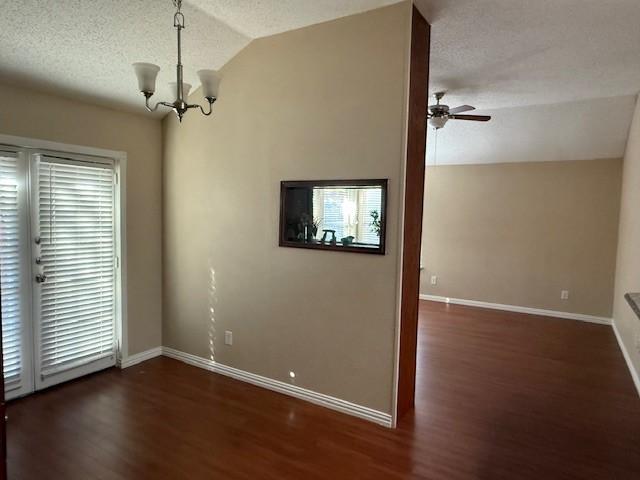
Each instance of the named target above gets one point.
<point>475,118</point>
<point>462,108</point>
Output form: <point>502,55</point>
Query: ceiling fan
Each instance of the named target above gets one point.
<point>440,114</point>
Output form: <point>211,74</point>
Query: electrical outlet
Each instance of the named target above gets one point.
<point>228,337</point>
<point>564,295</point>
<point>434,280</point>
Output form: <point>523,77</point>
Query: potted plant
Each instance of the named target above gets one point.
<point>376,224</point>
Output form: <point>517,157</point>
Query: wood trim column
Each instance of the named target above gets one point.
<point>414,195</point>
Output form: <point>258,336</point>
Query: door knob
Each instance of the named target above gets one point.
<point>41,278</point>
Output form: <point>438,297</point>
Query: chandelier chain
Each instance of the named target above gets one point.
<point>178,18</point>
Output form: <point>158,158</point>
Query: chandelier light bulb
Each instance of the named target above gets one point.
<point>186,88</point>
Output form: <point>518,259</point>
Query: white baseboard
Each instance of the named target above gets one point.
<point>140,357</point>
<point>513,308</point>
<point>327,401</point>
<point>627,358</point>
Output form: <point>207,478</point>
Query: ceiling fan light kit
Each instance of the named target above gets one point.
<point>440,114</point>
<point>438,122</point>
<point>147,74</point>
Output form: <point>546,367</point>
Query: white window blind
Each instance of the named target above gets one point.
<point>370,200</point>
<point>329,206</point>
<point>347,210</point>
<point>10,271</point>
<point>77,250</point>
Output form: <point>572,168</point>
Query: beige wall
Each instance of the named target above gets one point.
<point>520,233</point>
<point>323,102</point>
<point>30,114</point>
<point>628,265</point>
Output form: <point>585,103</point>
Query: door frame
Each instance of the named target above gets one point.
<point>120,168</point>
<point>411,240</point>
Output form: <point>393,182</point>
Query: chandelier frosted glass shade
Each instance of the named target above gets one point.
<point>186,88</point>
<point>210,81</point>
<point>147,74</point>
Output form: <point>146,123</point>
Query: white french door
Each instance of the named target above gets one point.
<point>17,332</point>
<point>58,246</point>
<point>74,255</point>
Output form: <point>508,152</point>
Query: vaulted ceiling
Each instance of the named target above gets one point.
<point>260,18</point>
<point>86,47</point>
<point>542,69</point>
<point>509,58</point>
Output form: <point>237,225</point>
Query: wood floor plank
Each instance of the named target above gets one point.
<point>499,396</point>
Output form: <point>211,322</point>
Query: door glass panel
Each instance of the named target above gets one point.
<point>75,294</point>
<point>13,260</point>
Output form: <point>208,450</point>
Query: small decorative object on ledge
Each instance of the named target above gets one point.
<point>634,301</point>
<point>353,211</point>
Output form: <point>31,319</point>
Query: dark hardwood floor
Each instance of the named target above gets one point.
<point>499,396</point>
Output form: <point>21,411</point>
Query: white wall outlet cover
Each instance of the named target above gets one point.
<point>434,280</point>
<point>564,295</point>
<point>228,337</point>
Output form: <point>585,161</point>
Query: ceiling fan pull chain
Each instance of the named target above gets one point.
<point>435,150</point>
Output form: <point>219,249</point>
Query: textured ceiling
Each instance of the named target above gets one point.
<point>506,53</point>
<point>85,48</point>
<point>582,130</point>
<point>494,54</point>
<point>500,54</point>
<point>259,18</point>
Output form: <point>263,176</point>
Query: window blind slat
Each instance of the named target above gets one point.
<point>62,291</point>
<point>76,220</point>
<point>72,327</point>
<point>11,277</point>
<point>75,309</point>
<point>69,343</point>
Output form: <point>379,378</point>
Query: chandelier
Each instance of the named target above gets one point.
<point>148,72</point>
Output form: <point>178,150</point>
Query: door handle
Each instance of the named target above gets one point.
<point>41,278</point>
